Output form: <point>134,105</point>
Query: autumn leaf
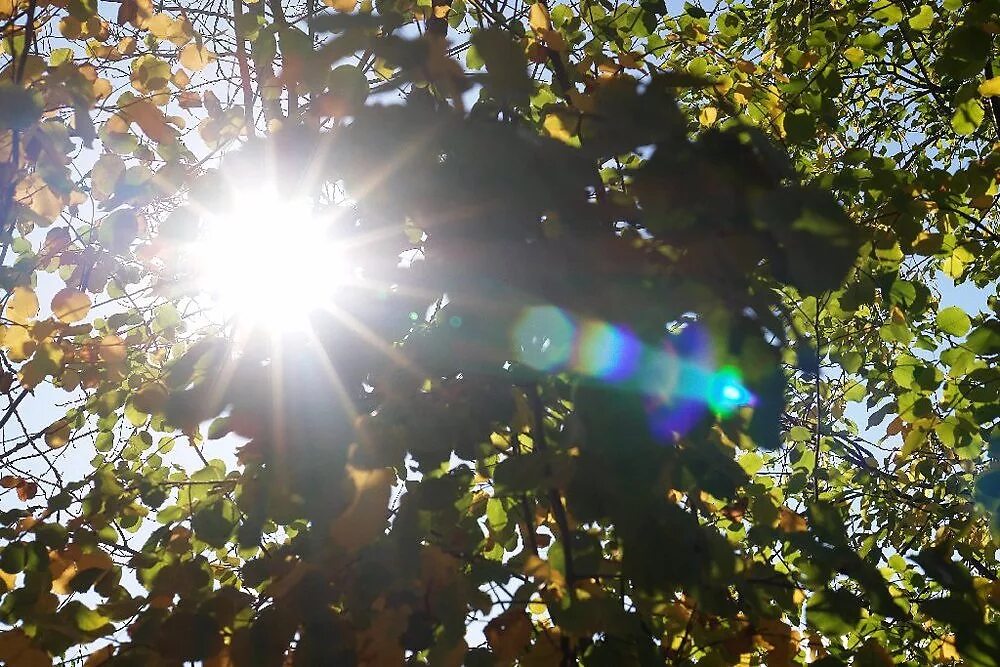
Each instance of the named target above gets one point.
<point>509,634</point>
<point>22,305</point>
<point>112,350</point>
<point>341,5</point>
<point>196,57</point>
<point>16,649</point>
<point>791,522</point>
<point>990,87</point>
<point>70,305</point>
<point>152,121</point>
<point>538,17</point>
<point>364,519</point>
<point>58,433</point>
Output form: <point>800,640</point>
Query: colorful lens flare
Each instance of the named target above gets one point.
<point>606,352</point>
<point>678,380</point>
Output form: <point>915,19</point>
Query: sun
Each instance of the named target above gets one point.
<point>269,261</point>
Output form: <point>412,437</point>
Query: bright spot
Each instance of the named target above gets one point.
<point>269,261</point>
<point>727,391</point>
<point>731,393</point>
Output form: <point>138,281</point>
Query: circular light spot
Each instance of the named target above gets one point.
<point>543,338</point>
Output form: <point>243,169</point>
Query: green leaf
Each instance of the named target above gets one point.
<point>834,612</point>
<point>851,361</point>
<point>968,116</point>
<point>953,321</point>
<point>799,434</point>
<point>889,13</point>
<point>923,18</point>
<point>985,339</point>
<point>506,65</point>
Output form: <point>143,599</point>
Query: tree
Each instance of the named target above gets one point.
<point>657,261</point>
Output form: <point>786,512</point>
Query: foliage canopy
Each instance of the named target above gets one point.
<point>658,260</point>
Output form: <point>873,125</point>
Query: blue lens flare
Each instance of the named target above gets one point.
<point>678,380</point>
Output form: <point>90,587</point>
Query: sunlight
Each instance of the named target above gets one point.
<point>270,261</point>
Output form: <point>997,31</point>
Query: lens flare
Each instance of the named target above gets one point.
<point>544,338</point>
<point>678,381</point>
<point>606,352</point>
<point>727,391</point>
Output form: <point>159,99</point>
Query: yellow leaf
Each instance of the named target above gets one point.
<point>23,305</point>
<point>195,57</point>
<point>555,124</point>
<point>990,88</point>
<point>854,55</point>
<point>70,305</point>
<point>126,46</point>
<point>539,17</point>
<point>723,84</point>
<point>161,25</point>
<point>708,116</point>
<point>57,434</point>
<point>365,519</point>
<point>341,5</point>
<point>18,341</point>
<point>152,121</point>
<point>34,192</point>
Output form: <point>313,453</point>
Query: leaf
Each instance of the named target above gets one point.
<point>70,305</point>
<point>105,175</point>
<point>136,12</point>
<point>559,125</point>
<point>118,230</point>
<point>16,649</point>
<point>834,612</point>
<point>509,634</point>
<point>19,108</point>
<point>985,339</point>
<point>365,519</point>
<point>196,57</point>
<point>341,5</point>
<point>152,121</point>
<point>889,13</point>
<point>506,65</point>
<point>214,523</point>
<point>953,321</point>
<point>990,87</point>
<point>22,305</point>
<point>923,18</point>
<point>873,654</point>
<point>707,116</point>
<point>538,17</point>
<point>968,116</point>
<point>58,433</point>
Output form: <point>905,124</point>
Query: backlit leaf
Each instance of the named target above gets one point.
<point>22,305</point>
<point>70,305</point>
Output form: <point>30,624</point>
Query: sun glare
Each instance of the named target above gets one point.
<point>270,261</point>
